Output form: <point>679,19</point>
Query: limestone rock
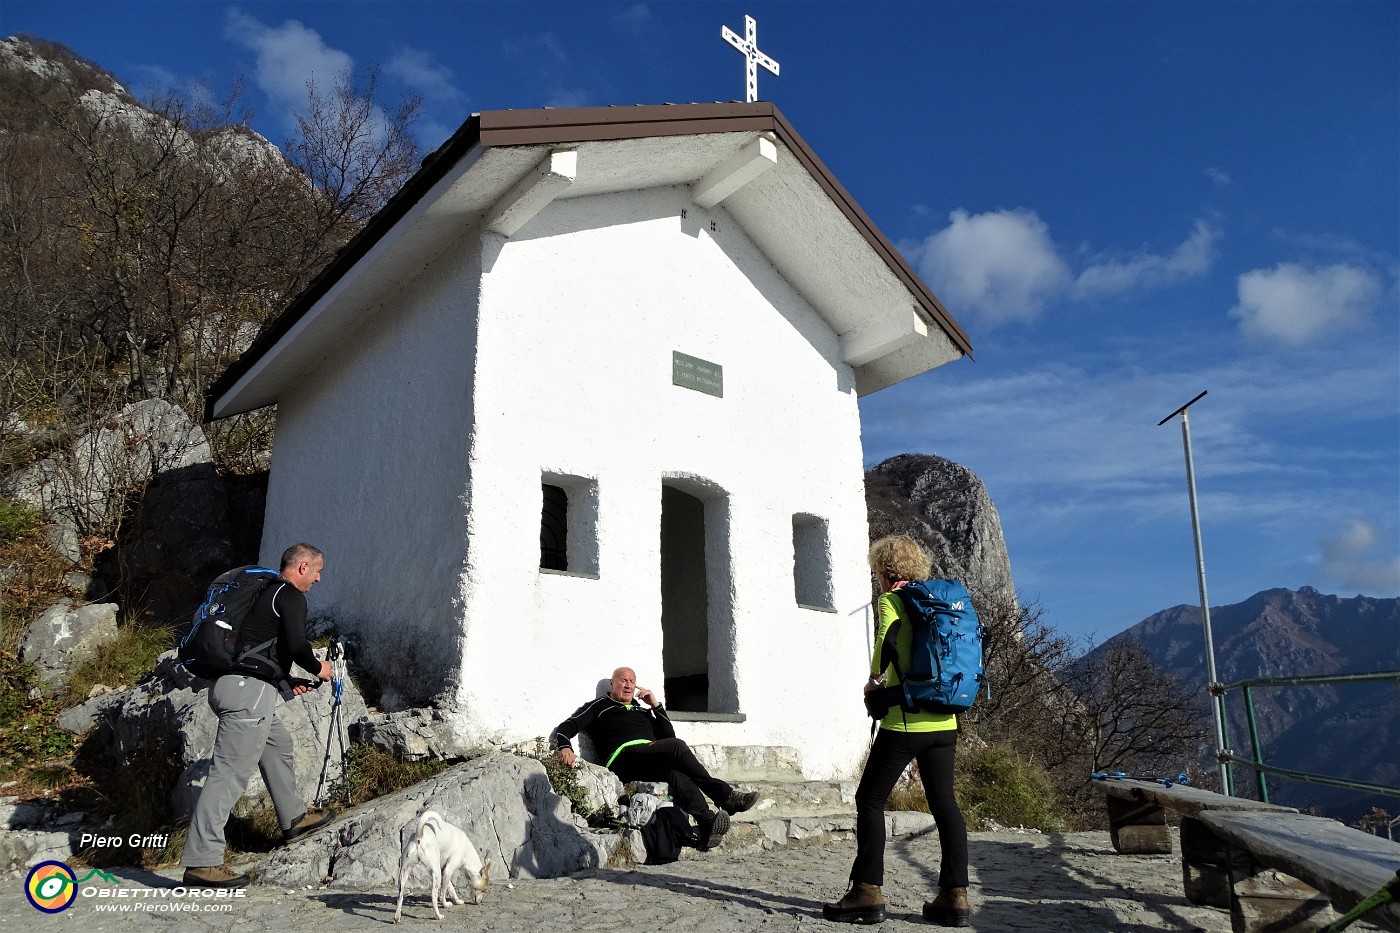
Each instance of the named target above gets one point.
<point>181,521</point>
<point>946,508</point>
<point>33,831</point>
<point>85,715</point>
<point>600,786</point>
<point>169,714</point>
<point>412,734</point>
<point>66,635</point>
<point>88,486</point>
<point>503,803</point>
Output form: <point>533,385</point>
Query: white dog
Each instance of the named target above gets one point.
<point>442,848</point>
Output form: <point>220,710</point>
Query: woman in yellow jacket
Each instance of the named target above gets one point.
<point>904,736</point>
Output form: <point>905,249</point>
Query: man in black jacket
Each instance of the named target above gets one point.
<point>250,734</point>
<point>638,743</point>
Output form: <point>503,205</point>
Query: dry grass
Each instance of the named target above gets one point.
<point>31,574</point>
<point>121,663</point>
<point>372,773</point>
<point>992,784</point>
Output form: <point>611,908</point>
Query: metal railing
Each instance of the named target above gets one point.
<point>1228,758</point>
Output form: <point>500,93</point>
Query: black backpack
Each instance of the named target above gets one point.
<point>214,645</point>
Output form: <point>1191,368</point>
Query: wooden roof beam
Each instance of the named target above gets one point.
<point>531,194</point>
<point>735,172</point>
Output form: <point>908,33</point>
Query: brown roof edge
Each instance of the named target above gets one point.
<point>586,124</point>
<point>798,147</point>
<point>497,128</point>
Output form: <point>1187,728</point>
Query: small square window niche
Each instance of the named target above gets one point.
<point>569,524</point>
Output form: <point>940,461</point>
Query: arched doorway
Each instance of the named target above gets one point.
<point>697,652</point>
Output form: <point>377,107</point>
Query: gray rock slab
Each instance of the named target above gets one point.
<point>66,635</point>
<point>169,713</point>
<point>504,803</point>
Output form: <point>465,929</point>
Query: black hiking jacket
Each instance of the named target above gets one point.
<point>610,724</point>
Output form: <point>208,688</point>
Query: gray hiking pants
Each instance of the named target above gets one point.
<point>250,734</point>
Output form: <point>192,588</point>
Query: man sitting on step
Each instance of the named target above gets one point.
<point>632,732</point>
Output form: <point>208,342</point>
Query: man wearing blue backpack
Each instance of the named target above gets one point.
<point>250,734</point>
<point>907,732</point>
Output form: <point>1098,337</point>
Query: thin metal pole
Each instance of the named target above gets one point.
<point>1217,700</point>
<point>1255,746</point>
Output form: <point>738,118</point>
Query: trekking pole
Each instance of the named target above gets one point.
<point>336,655</point>
<point>341,675</point>
<point>1183,779</point>
<point>1388,892</point>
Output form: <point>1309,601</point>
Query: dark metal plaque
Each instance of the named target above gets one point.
<point>691,372</point>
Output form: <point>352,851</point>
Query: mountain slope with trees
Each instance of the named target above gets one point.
<point>1348,731</point>
<point>143,245</point>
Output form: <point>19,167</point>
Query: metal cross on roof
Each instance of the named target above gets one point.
<point>752,56</point>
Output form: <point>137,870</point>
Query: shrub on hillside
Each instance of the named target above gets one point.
<point>995,784</point>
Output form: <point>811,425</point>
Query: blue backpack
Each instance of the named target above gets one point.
<point>945,665</point>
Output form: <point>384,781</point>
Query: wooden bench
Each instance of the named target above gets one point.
<point>1273,868</point>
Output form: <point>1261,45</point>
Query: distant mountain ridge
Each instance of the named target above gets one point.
<point>1349,730</point>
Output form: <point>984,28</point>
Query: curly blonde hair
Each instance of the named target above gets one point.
<point>899,557</point>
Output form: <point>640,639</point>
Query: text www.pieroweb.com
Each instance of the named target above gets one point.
<point>162,900</point>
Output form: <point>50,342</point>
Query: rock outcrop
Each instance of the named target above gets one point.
<point>169,714</point>
<point>946,508</point>
<point>504,803</point>
<point>66,635</point>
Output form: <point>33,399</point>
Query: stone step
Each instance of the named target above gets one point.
<point>816,829</point>
<point>740,764</point>
<point>789,799</point>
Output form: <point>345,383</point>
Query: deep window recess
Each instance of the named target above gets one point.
<point>554,529</point>
<point>811,562</point>
<point>569,524</point>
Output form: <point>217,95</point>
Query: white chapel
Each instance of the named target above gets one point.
<point>584,395</point>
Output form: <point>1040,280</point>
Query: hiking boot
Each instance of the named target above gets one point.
<point>739,801</point>
<point>949,908</point>
<point>712,830</point>
<point>862,904</point>
<point>314,818</point>
<point>214,876</point>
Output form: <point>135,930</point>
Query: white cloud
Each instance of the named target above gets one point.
<point>425,75</point>
<point>556,69</point>
<point>1115,277</point>
<point>1357,558</point>
<point>151,80</point>
<point>1003,266</point>
<point>634,17</point>
<point>1218,176</point>
<point>1293,304</point>
<point>544,49</point>
<point>287,57</point>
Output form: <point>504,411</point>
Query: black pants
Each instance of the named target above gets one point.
<point>889,756</point>
<point>672,761</point>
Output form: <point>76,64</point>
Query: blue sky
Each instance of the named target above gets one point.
<point>1123,204</point>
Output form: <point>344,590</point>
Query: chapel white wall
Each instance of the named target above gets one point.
<point>370,463</point>
<point>580,312</point>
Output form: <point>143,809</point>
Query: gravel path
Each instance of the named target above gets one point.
<point>1021,881</point>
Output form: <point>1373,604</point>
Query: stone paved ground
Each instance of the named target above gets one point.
<point>1022,881</point>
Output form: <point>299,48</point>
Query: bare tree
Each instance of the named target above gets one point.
<point>1139,718</point>
<point>355,154</point>
<point>1070,714</point>
<point>143,247</point>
